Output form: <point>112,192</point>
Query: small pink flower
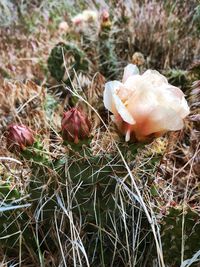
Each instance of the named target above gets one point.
<point>145,105</point>
<point>19,136</point>
<point>105,16</point>
<point>63,27</point>
<point>85,17</point>
<point>75,126</point>
<point>78,19</point>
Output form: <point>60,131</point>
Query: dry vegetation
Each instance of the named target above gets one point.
<point>148,188</point>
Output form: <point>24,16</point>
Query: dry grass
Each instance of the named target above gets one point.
<point>161,175</point>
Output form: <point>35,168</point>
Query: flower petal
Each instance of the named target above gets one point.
<point>128,135</point>
<point>137,83</point>
<point>154,77</point>
<point>90,15</point>
<point>184,110</point>
<point>78,19</point>
<point>141,103</point>
<point>162,119</point>
<point>130,70</point>
<point>172,97</point>
<point>110,90</point>
<point>180,104</point>
<point>122,110</point>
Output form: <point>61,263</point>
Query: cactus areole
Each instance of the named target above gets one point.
<point>75,126</point>
<point>19,136</point>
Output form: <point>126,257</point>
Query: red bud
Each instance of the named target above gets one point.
<point>19,136</point>
<point>75,126</point>
<point>105,16</point>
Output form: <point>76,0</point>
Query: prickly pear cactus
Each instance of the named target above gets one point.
<point>88,188</point>
<point>94,173</point>
<point>180,225</point>
<point>72,56</point>
<point>36,153</point>
<point>7,193</point>
<point>13,219</point>
<point>95,183</point>
<point>177,77</point>
<point>107,56</point>
<point>92,183</point>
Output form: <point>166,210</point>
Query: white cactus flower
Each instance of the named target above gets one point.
<point>145,105</point>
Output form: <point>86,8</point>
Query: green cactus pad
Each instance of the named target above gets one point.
<point>75,59</point>
<point>174,231</point>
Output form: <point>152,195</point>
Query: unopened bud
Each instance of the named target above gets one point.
<point>75,126</point>
<point>63,27</point>
<point>138,59</point>
<point>19,136</point>
<point>105,15</point>
<point>105,19</point>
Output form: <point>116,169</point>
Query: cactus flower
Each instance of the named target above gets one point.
<point>145,106</point>
<point>78,19</point>
<point>90,15</point>
<point>63,27</point>
<point>75,126</point>
<point>19,136</point>
<point>84,17</point>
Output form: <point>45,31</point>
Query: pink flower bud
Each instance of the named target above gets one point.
<point>19,136</point>
<point>78,20</point>
<point>105,16</point>
<point>63,27</point>
<point>75,126</point>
